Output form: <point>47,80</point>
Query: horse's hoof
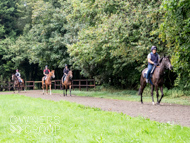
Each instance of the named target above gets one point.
<point>152,103</point>
<point>141,102</point>
<point>158,103</point>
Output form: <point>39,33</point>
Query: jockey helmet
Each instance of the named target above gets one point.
<point>46,66</point>
<point>153,48</point>
<point>65,65</point>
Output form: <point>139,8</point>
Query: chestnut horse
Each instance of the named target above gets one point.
<point>68,82</point>
<point>16,83</point>
<point>157,79</point>
<point>48,81</point>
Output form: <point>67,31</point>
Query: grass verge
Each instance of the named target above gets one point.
<point>26,119</point>
<point>170,96</point>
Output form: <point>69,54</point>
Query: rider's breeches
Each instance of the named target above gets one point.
<point>149,70</point>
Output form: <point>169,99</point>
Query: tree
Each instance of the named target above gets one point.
<point>175,30</point>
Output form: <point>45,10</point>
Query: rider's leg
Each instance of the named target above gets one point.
<point>148,72</point>
<point>44,79</point>
<point>63,77</point>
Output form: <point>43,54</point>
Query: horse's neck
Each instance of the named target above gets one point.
<point>49,77</point>
<point>161,70</point>
<point>67,78</point>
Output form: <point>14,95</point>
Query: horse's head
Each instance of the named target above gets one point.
<point>70,74</point>
<point>13,76</point>
<point>166,62</point>
<point>52,73</point>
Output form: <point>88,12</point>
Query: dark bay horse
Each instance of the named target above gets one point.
<point>68,82</point>
<point>48,81</point>
<point>16,83</point>
<point>157,78</point>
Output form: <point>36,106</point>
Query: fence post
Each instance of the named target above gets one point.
<point>79,85</point>
<point>94,84</point>
<point>9,86</point>
<point>33,85</point>
<point>61,87</point>
<point>87,85</point>
<point>55,84</point>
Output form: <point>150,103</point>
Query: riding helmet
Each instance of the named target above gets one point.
<point>46,66</point>
<point>65,65</point>
<point>153,48</point>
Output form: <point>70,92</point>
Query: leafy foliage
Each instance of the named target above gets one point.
<point>104,39</point>
<point>176,31</point>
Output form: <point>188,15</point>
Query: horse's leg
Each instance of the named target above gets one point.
<point>66,89</point>
<point>161,89</point>
<point>50,88</point>
<point>42,86</point>
<point>46,89</point>
<point>14,88</point>
<point>141,89</point>
<point>70,89</point>
<point>152,90</point>
<point>63,91</point>
<point>157,94</point>
<point>18,87</point>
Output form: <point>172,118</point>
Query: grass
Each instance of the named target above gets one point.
<point>173,96</point>
<point>26,119</point>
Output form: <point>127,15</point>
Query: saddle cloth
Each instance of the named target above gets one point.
<point>151,73</point>
<point>64,78</point>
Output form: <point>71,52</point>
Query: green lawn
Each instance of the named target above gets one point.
<point>174,97</point>
<point>26,119</point>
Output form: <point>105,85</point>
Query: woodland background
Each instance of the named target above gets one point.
<point>108,40</point>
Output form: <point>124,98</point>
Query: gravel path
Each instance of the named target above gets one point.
<point>173,113</point>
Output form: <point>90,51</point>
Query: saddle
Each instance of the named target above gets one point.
<point>64,78</point>
<point>19,79</point>
<point>151,73</point>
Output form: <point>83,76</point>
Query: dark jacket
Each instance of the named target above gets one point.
<point>65,71</point>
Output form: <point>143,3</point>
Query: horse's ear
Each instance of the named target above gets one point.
<point>160,60</point>
<point>168,57</point>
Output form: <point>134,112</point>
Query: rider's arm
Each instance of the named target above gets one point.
<point>64,71</point>
<point>149,59</point>
<point>44,72</point>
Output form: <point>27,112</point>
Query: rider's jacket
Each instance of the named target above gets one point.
<point>65,71</point>
<point>47,71</point>
<point>17,74</point>
<point>153,57</point>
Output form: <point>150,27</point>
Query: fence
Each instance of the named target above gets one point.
<point>57,83</point>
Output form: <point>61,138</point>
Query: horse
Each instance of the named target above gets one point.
<point>17,83</point>
<point>67,82</point>
<point>157,78</point>
<point>48,81</point>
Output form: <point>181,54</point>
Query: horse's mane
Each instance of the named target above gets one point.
<point>162,58</point>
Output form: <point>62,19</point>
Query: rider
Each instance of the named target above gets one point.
<point>153,59</point>
<point>46,72</point>
<point>17,74</point>
<point>65,72</point>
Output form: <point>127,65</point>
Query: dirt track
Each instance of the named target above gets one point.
<point>177,114</point>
